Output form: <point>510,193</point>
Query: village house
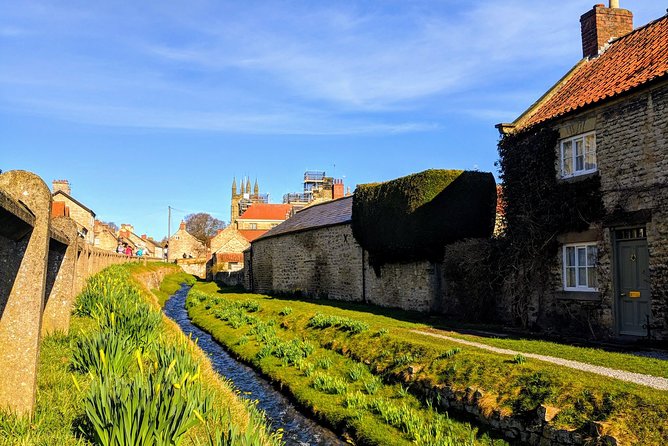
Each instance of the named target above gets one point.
<point>127,236</point>
<point>228,245</point>
<point>263,217</point>
<point>66,205</point>
<point>183,245</point>
<point>105,237</point>
<point>604,126</point>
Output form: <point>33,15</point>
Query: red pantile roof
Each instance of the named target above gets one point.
<point>252,234</point>
<point>329,213</point>
<point>265,211</point>
<point>629,62</point>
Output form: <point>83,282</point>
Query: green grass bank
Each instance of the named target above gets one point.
<point>362,370</point>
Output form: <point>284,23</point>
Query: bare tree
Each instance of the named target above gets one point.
<point>203,226</point>
<point>111,225</point>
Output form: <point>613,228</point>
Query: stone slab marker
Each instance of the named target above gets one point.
<point>22,296</point>
<point>62,262</point>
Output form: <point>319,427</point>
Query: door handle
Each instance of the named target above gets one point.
<point>622,295</point>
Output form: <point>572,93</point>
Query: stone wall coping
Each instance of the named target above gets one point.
<point>15,211</point>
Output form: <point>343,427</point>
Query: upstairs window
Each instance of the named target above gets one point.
<point>578,155</point>
<point>580,267</point>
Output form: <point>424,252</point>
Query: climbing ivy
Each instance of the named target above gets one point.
<point>538,207</point>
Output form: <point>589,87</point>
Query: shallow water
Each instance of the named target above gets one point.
<point>299,430</point>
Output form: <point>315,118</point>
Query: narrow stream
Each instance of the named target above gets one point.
<point>281,413</point>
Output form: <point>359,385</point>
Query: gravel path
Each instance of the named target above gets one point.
<point>654,382</point>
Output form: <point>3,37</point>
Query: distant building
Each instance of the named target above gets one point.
<point>65,205</point>
<point>184,245</point>
<point>105,238</point>
<point>128,236</point>
<point>318,188</point>
<point>263,216</point>
<point>227,248</point>
<point>242,198</point>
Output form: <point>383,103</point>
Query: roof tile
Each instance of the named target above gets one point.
<point>266,211</point>
<point>629,62</point>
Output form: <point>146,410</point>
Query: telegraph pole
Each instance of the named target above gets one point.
<point>169,231</point>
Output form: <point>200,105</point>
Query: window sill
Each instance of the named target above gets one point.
<point>578,177</point>
<point>589,296</point>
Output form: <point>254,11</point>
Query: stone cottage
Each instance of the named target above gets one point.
<point>66,205</point>
<point>228,245</point>
<point>105,238</point>
<point>184,245</point>
<point>604,173</point>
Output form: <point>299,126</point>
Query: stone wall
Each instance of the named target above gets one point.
<point>43,266</point>
<point>328,263</point>
<point>196,267</point>
<point>325,263</point>
<point>234,278</point>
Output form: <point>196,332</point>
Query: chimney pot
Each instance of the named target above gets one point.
<point>614,4</point>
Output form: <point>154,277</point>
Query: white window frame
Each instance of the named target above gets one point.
<point>573,140</point>
<point>577,267</point>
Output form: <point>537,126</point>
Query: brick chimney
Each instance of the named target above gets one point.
<point>182,226</point>
<point>337,189</point>
<point>602,24</point>
<point>61,185</point>
<point>143,236</point>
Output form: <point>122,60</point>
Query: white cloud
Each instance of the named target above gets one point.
<point>287,68</point>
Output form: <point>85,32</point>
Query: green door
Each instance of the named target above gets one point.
<point>633,284</point>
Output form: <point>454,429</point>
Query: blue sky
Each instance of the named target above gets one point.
<point>142,105</point>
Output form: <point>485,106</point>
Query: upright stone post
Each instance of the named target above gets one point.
<point>62,263</point>
<point>22,299</point>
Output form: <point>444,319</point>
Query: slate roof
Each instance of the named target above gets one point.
<point>627,63</point>
<point>266,211</point>
<point>330,213</point>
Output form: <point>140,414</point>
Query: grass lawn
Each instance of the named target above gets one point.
<point>267,331</point>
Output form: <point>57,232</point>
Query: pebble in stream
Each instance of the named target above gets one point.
<point>299,430</point>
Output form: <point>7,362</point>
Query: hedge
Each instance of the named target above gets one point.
<point>414,217</point>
